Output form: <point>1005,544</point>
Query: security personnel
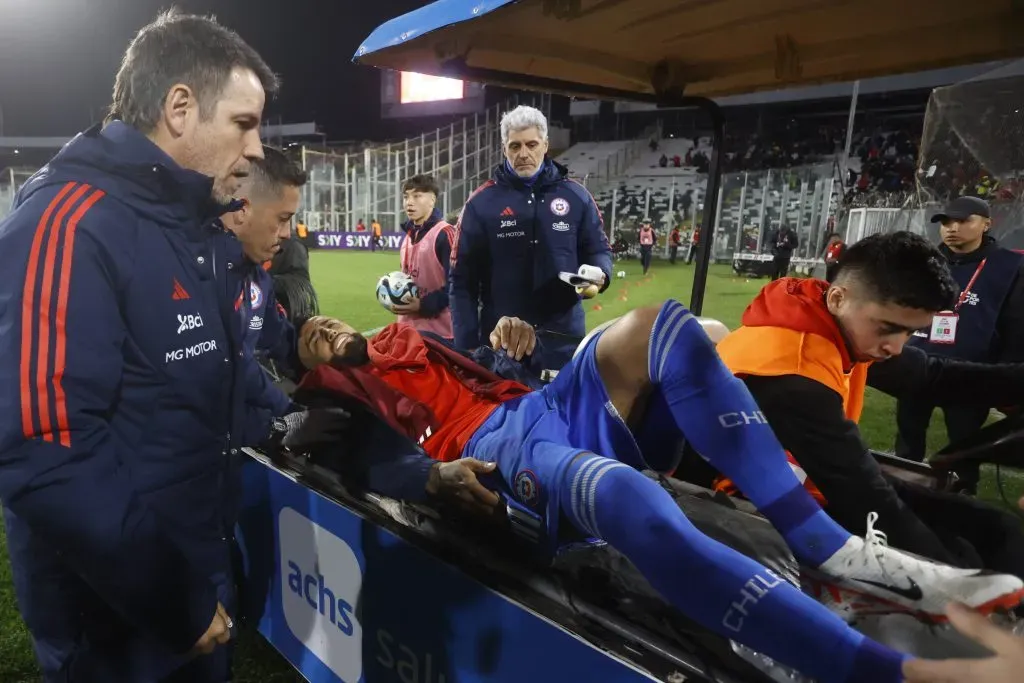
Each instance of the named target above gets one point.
<point>985,326</point>
<point>516,233</point>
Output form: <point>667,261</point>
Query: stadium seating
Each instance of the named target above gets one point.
<point>648,163</point>
<point>593,158</point>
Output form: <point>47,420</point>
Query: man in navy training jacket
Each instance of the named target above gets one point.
<point>515,234</point>
<point>262,223</point>
<point>122,358</point>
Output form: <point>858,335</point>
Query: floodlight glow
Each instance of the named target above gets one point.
<point>423,88</point>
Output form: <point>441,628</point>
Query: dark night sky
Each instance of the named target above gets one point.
<point>58,58</point>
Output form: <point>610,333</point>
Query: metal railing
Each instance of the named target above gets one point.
<point>367,185</point>
<point>751,205</point>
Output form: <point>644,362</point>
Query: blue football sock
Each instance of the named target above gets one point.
<point>721,420</point>
<point>714,585</point>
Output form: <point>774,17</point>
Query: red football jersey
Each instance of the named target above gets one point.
<point>406,367</point>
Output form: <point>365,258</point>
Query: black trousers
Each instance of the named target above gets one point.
<point>673,252</point>
<point>978,534</point>
<point>912,418</point>
<point>645,256</point>
<point>780,267</point>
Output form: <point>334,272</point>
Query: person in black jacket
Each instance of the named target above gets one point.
<point>293,287</point>
<point>784,241</point>
<point>807,350</point>
<point>988,326</point>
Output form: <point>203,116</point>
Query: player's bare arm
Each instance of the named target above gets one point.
<point>457,481</point>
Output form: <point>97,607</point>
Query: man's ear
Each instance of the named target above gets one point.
<point>179,103</point>
<point>834,298</point>
<point>238,218</point>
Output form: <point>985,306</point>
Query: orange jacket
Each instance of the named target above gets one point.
<point>787,330</point>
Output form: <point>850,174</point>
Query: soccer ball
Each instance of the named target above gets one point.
<point>395,289</point>
<point>620,274</point>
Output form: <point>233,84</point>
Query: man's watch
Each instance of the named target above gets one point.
<point>278,431</point>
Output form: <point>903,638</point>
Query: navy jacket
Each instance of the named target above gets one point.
<point>512,239</point>
<point>264,327</point>
<point>123,368</point>
<point>991,324</point>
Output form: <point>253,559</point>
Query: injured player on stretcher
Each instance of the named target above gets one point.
<point>572,451</point>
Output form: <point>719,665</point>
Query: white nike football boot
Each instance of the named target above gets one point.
<point>870,567</point>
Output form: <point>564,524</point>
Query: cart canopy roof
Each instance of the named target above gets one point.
<point>713,48</point>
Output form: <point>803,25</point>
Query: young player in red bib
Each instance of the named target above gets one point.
<point>425,253</point>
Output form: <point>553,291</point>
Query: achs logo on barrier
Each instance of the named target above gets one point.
<point>322,579</point>
<point>255,295</point>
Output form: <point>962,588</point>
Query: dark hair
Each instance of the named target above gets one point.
<point>180,48</point>
<point>274,172</point>
<point>900,268</point>
<point>421,183</point>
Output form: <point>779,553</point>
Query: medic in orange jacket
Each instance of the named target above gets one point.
<point>796,361</point>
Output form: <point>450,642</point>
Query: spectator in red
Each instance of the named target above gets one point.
<point>360,226</point>
<point>674,240</point>
<point>833,252</point>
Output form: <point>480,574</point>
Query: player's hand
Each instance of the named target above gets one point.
<point>515,336</point>
<point>219,633</point>
<point>318,341</point>
<point>457,481</point>
<point>411,308</point>
<point>1004,667</point>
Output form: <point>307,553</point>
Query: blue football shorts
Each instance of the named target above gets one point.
<point>533,438</point>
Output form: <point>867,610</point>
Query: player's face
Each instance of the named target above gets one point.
<point>525,151</point>
<point>350,347</point>
<point>418,205</point>
<point>965,235</point>
<point>267,222</point>
<point>874,331</point>
<point>223,145</point>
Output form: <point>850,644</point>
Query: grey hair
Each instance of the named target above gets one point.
<point>521,118</point>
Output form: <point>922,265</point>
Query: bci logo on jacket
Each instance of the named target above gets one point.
<point>189,322</point>
<point>322,580</point>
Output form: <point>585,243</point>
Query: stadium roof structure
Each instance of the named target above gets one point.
<point>657,49</point>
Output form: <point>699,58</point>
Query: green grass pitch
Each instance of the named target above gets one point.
<point>345,282</point>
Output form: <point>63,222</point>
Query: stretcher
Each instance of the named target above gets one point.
<point>352,586</point>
